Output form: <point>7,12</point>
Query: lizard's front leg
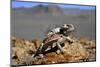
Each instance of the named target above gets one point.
<point>69,39</point>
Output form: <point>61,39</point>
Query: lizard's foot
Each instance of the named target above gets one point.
<point>62,50</point>
<point>58,52</point>
<point>71,41</point>
<point>41,55</point>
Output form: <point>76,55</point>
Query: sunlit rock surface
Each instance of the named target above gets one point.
<point>79,51</point>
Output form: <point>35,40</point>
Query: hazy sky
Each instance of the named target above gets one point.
<point>18,4</point>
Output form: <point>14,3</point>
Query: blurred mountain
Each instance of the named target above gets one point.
<point>41,9</point>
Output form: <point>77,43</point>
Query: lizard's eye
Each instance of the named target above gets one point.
<point>61,36</point>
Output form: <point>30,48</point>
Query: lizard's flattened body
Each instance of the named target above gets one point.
<point>54,37</point>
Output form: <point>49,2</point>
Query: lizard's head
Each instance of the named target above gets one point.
<point>69,27</point>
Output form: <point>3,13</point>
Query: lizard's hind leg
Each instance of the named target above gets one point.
<point>59,47</point>
<point>39,51</point>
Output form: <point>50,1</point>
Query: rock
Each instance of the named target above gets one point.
<point>22,50</point>
<point>81,50</point>
<point>75,51</point>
